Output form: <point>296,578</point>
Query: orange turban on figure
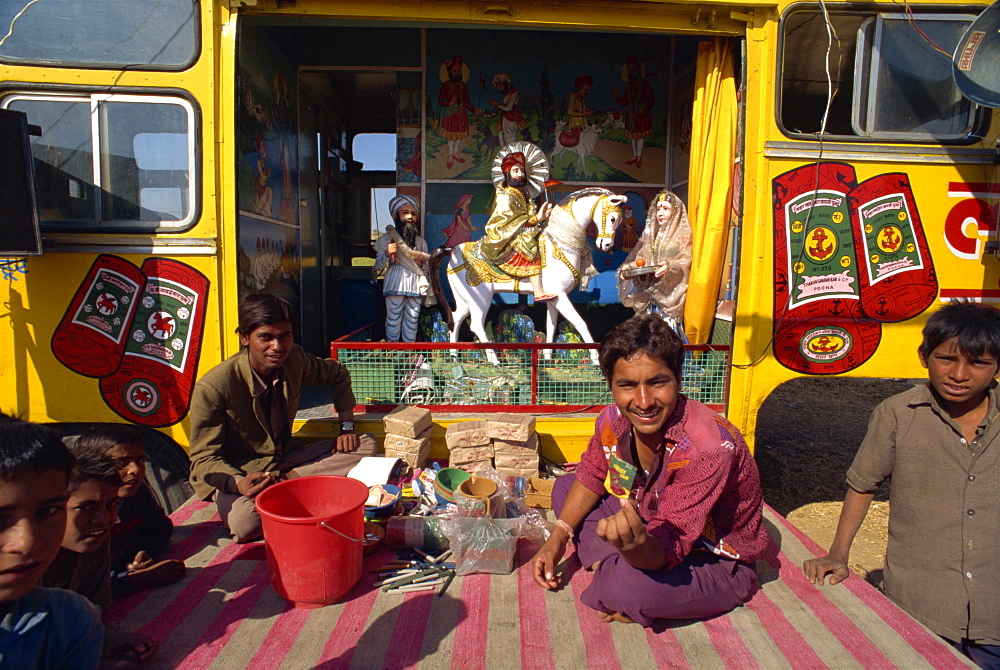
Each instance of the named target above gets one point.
<point>512,159</point>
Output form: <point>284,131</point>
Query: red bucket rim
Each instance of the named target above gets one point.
<point>268,492</point>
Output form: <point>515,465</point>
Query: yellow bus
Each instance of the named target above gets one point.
<point>838,183</point>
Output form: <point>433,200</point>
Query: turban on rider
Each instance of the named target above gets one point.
<point>397,203</point>
<point>512,159</point>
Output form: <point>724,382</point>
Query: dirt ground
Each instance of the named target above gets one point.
<point>808,431</point>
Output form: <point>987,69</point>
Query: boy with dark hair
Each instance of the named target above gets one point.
<point>143,529</point>
<point>83,564</point>
<point>939,444</point>
<point>242,412</point>
<point>39,627</point>
<point>665,506</point>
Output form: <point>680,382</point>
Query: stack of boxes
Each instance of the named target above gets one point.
<point>508,442</point>
<point>469,445</point>
<point>515,444</point>
<point>408,435</point>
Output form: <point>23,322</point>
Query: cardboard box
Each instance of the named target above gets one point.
<point>525,462</point>
<point>410,445</point>
<point>527,473</point>
<point>467,434</point>
<point>475,465</point>
<point>415,459</point>
<point>511,427</point>
<point>517,448</point>
<point>461,455</point>
<point>407,421</point>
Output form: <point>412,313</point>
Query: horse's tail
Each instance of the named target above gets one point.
<point>440,254</point>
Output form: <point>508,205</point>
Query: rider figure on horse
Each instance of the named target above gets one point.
<point>511,241</point>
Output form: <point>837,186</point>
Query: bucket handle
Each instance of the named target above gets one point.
<point>346,537</point>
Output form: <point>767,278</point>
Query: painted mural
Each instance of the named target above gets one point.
<point>848,258</point>
<point>594,111</point>
<point>269,258</point>
<point>139,330</point>
<point>267,134</point>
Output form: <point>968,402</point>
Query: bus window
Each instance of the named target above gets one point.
<point>904,78</point>
<point>110,33</point>
<point>143,169</point>
<point>889,77</point>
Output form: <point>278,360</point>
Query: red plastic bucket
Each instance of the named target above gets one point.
<point>313,534</point>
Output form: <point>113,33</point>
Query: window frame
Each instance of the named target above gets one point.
<point>95,97</point>
<point>197,10</point>
<point>979,117</point>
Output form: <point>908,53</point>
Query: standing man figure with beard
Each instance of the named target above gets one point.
<point>511,120</point>
<point>404,253</point>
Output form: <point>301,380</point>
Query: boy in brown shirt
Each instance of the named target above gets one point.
<point>939,443</point>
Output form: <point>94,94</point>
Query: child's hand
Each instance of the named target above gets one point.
<point>142,560</point>
<point>158,574</point>
<point>126,650</point>
<point>816,569</point>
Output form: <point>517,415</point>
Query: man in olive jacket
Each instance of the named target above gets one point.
<point>242,412</point>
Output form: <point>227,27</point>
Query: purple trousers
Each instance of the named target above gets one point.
<point>702,586</point>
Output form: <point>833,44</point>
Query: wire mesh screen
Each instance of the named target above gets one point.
<point>520,377</point>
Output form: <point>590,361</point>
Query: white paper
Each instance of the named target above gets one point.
<point>372,470</point>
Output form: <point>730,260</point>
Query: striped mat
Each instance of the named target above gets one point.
<point>225,614</point>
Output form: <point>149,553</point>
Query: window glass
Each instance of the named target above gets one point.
<point>161,34</point>
<point>63,158</point>
<point>908,83</point>
<point>143,174</point>
<point>890,75</point>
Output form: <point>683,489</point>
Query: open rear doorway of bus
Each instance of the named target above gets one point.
<point>311,89</point>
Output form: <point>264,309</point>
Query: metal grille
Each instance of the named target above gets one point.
<point>526,377</point>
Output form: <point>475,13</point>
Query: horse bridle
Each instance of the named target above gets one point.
<point>607,209</point>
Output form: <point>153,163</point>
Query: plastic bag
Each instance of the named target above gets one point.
<point>482,544</point>
<point>535,528</point>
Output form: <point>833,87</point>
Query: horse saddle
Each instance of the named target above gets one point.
<point>479,268</point>
<point>570,138</point>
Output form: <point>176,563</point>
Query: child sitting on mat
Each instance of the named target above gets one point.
<point>143,529</point>
<point>39,627</point>
<point>940,443</point>
<point>83,561</point>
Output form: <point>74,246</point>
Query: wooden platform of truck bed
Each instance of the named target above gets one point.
<point>225,614</point>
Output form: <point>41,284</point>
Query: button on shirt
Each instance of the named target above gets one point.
<point>942,562</point>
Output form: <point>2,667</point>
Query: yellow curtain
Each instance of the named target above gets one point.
<point>713,152</point>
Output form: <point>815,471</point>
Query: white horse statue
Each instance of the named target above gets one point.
<point>566,260</point>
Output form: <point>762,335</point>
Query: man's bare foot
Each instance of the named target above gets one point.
<point>615,616</point>
<point>158,574</point>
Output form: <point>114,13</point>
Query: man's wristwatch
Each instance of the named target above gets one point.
<point>346,426</point>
